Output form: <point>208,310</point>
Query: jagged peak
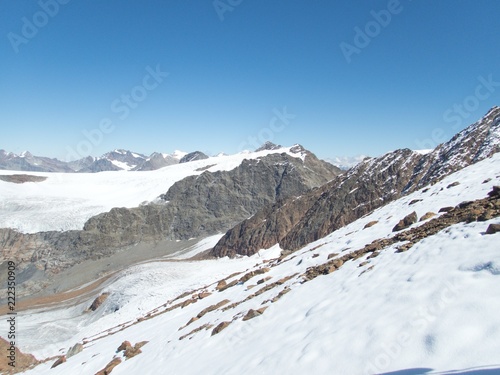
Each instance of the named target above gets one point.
<point>268,146</point>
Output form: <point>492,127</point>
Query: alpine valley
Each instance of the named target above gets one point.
<point>264,262</point>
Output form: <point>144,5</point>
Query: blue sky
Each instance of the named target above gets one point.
<point>340,77</point>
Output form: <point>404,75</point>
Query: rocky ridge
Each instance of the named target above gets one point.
<point>373,183</point>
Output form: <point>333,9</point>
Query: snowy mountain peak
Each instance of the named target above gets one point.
<point>268,146</point>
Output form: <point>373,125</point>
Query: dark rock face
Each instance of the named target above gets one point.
<point>268,146</point>
<point>192,156</point>
<point>293,223</point>
<point>199,205</point>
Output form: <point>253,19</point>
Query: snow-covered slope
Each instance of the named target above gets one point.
<point>65,201</point>
<point>432,309</point>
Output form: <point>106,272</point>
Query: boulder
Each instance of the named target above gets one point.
<point>406,222</point>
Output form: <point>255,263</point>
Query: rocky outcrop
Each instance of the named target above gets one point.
<point>22,178</point>
<point>493,228</point>
<point>406,222</point>
<point>13,355</point>
<point>109,367</point>
<point>98,301</point>
<point>373,183</point>
<point>193,156</point>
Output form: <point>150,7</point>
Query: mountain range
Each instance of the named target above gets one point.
<point>116,160</point>
<point>271,261</point>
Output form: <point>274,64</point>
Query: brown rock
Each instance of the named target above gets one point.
<point>427,215</point>
<point>109,367</point>
<point>445,209</point>
<point>486,215</point>
<point>456,183</point>
<point>414,201</point>
<point>220,327</point>
<point>493,228</point>
<point>132,352</point>
<point>23,361</point>
<point>370,224</point>
<point>60,361</point>
<point>98,301</point>
<point>124,346</point>
<point>220,285</point>
<point>188,302</point>
<point>406,222</point>
<point>251,314</point>
<point>203,295</point>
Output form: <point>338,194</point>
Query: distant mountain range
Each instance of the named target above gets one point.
<point>125,160</point>
<point>117,160</point>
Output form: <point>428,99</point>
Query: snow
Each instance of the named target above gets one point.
<point>179,154</point>
<point>424,152</point>
<point>65,201</point>
<point>122,165</point>
<point>432,309</point>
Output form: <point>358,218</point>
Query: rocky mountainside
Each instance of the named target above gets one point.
<point>195,206</point>
<point>373,183</point>
<point>192,156</point>
<point>156,161</point>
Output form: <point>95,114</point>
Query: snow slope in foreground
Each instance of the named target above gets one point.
<point>66,201</point>
<point>432,309</point>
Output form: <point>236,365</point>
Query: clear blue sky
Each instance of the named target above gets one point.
<point>232,67</point>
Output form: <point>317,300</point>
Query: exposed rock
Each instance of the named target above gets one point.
<point>414,201</point>
<point>487,180</point>
<point>124,346</point>
<point>493,228</point>
<point>193,156</point>
<point>268,146</point>
<point>22,178</point>
<point>445,209</point>
<point>495,192</point>
<point>75,349</point>
<point>370,224</point>
<point>220,327</point>
<point>59,361</point>
<point>23,361</point>
<point>98,301</point>
<point>254,313</point>
<point>221,284</point>
<point>204,295</point>
<point>456,183</point>
<point>109,367</point>
<point>406,222</point>
<point>212,308</point>
<point>427,215</point>
<point>132,352</point>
